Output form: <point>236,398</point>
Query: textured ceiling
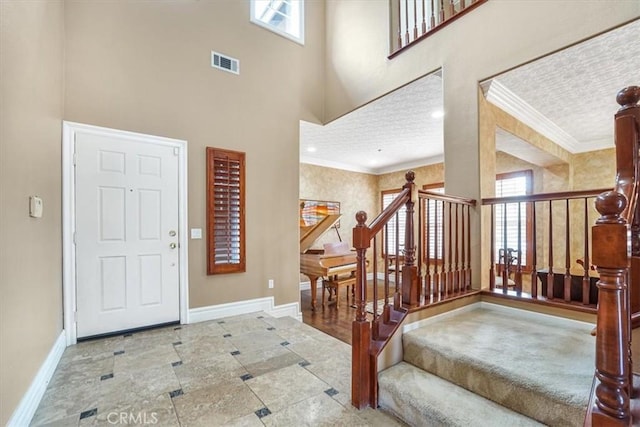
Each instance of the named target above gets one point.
<point>394,131</point>
<point>568,96</point>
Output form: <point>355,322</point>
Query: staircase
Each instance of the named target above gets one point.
<point>488,365</point>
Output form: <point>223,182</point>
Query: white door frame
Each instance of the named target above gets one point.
<point>69,131</point>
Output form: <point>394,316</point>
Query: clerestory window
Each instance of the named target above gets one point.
<point>284,17</point>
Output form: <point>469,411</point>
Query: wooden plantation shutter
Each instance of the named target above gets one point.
<point>225,211</point>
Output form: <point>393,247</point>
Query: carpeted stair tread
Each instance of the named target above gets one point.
<point>423,399</point>
<point>536,365</point>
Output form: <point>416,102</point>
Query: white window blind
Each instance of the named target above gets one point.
<point>389,245</point>
<point>511,186</point>
<point>434,223</point>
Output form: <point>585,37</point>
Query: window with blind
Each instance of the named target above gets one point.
<point>225,211</point>
<point>394,236</point>
<point>506,215</point>
<point>435,220</point>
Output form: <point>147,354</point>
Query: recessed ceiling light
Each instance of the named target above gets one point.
<point>311,149</point>
<point>438,114</point>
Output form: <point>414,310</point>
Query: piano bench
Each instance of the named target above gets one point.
<point>334,283</point>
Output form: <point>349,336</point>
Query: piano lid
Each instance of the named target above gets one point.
<point>308,235</point>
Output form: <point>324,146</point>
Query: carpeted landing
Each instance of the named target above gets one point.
<point>492,366</point>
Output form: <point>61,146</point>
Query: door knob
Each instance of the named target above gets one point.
<point>172,245</point>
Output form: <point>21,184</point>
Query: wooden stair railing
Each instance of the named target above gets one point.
<point>546,266</point>
<point>444,263</point>
<point>414,20</point>
<point>616,253</point>
<point>364,333</point>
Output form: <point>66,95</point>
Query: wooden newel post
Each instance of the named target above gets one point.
<point>360,329</point>
<point>610,254</point>
<point>410,280</point>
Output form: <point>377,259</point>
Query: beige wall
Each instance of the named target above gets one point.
<point>31,54</point>
<point>145,67</point>
<point>468,51</point>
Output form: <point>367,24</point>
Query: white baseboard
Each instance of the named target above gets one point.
<point>27,407</point>
<point>267,304</point>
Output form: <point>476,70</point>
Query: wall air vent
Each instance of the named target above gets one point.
<point>224,62</point>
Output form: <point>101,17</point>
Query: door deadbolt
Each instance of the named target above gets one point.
<point>172,233</point>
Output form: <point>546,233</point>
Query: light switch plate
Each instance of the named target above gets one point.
<point>196,233</point>
<point>35,207</point>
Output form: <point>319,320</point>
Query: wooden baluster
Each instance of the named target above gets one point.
<point>534,273</point>
<point>387,257</point>
<point>375,323</point>
<point>450,283</point>
<point>463,258</point>
<point>406,15</point>
<point>432,23</point>
<point>436,276</point>
<point>505,254</point>
<point>452,9</point>
<point>399,24</point>
<point>419,251</point>
<point>492,269</point>
<point>397,253</point>
<point>415,19</point>
<point>550,272</point>
<point>360,330</point>
<point>427,277</point>
<point>468,270</point>
<point>586,280</point>
<point>410,288</point>
<point>518,273</point>
<point>441,12</point>
<point>609,238</point>
<point>443,272</point>
<point>567,259</point>
<point>456,277</point>
<point>424,21</point>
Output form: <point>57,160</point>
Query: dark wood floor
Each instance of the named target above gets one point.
<point>331,320</point>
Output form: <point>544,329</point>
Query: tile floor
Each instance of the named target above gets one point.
<point>248,370</point>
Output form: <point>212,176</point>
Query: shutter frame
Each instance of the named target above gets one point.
<point>225,211</point>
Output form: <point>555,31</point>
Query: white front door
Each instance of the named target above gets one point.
<point>127,272</point>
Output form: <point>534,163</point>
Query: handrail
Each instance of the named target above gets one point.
<point>364,333</point>
<point>446,198</point>
<point>387,214</point>
<point>445,278</point>
<point>544,197</point>
<point>616,253</point>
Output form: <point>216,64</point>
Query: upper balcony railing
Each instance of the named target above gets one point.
<point>414,20</point>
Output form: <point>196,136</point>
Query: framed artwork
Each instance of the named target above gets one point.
<point>312,211</point>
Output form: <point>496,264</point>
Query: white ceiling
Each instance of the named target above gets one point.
<point>568,96</point>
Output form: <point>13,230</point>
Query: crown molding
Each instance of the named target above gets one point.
<point>508,101</point>
<point>372,171</point>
